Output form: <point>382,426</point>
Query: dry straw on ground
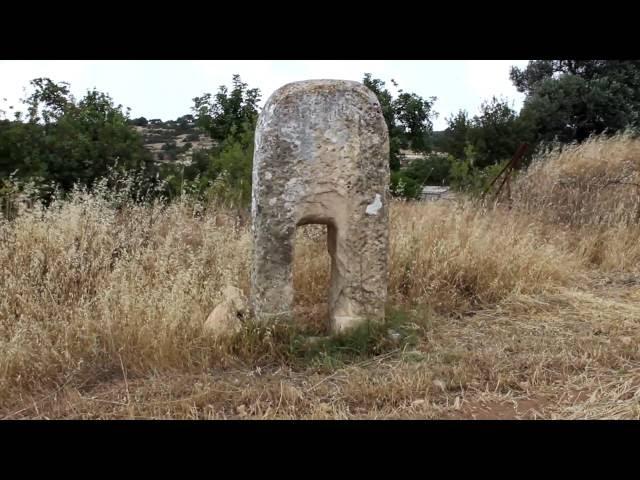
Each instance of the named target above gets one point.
<point>531,311</point>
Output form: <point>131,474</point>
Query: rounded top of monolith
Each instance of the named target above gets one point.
<point>318,86</point>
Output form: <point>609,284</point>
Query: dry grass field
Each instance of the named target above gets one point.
<point>525,309</point>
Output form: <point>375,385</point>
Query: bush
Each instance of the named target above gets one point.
<point>466,176</point>
<point>403,186</point>
<point>430,170</point>
<point>139,122</point>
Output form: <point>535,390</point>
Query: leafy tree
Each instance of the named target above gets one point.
<point>496,133</point>
<point>569,100</point>
<point>457,134</point>
<point>228,113</point>
<point>68,141</point>
<point>413,114</point>
<point>91,136</point>
<point>229,118</point>
<point>140,122</point>
<point>21,146</point>
<point>234,161</point>
<point>408,118</point>
<point>385,98</point>
<point>404,186</point>
<point>185,122</point>
<point>49,101</point>
<point>432,169</point>
<point>437,140</point>
<point>464,173</point>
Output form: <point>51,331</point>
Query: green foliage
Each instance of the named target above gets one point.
<point>68,141</point>
<point>495,135</point>
<point>408,119</point>
<point>229,118</point>
<point>569,100</point>
<point>228,113</point>
<point>385,98</point>
<point>121,187</point>
<point>403,186</point>
<point>139,122</point>
<point>413,114</point>
<point>222,173</point>
<point>233,163</point>
<point>457,134</point>
<point>430,170</point>
<point>397,332</point>
<point>185,122</point>
<point>466,175</point>
<point>21,149</point>
<point>286,343</point>
<point>437,141</point>
<point>462,175</point>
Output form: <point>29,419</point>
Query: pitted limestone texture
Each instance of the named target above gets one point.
<point>322,156</point>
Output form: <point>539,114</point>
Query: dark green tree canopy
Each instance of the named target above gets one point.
<point>408,118</point>
<point>493,135</point>
<point>457,134</point>
<point>139,122</point>
<point>68,141</point>
<point>496,132</point>
<point>568,100</point>
<point>227,112</point>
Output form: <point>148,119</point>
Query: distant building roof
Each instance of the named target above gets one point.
<point>434,190</point>
<point>437,192</point>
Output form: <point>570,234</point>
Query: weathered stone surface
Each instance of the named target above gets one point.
<point>226,318</point>
<point>322,156</point>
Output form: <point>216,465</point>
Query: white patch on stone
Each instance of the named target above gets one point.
<point>273,201</point>
<point>267,175</point>
<point>375,206</point>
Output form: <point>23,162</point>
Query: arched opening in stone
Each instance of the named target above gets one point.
<point>311,277</point>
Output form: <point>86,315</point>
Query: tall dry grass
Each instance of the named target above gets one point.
<point>92,289</point>
<point>88,288</point>
<point>593,183</point>
<point>593,190</point>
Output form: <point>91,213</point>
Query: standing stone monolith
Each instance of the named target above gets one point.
<point>322,157</point>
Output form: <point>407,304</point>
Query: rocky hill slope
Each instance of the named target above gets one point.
<point>172,140</point>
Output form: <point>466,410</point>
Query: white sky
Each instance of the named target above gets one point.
<point>165,88</point>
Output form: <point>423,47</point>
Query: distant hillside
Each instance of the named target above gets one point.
<point>172,140</point>
<point>176,140</point>
<point>436,143</point>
